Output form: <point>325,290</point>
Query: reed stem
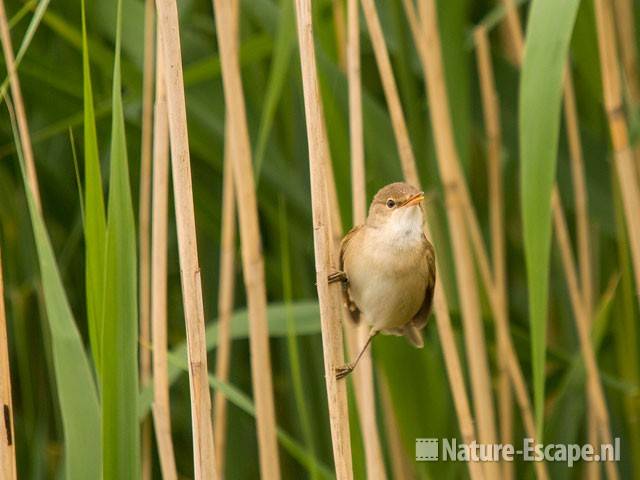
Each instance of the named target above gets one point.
<point>582,233</point>
<point>160,214</point>
<point>328,296</point>
<point>428,43</point>
<point>357,335</point>
<point>497,288</point>
<point>21,115</point>
<point>491,112</point>
<point>623,156</point>
<point>225,300</point>
<point>401,464</point>
<point>7,436</point>
<point>410,172</point>
<point>203,449</point>
<point>581,315</point>
<point>626,30</point>
<point>579,185</point>
<point>252,261</point>
<point>339,28</point>
<point>227,282</point>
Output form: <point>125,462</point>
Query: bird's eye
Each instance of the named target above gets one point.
<point>391,203</point>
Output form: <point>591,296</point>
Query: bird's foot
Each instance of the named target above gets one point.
<point>337,276</point>
<point>343,371</point>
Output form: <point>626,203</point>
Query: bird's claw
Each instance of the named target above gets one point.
<point>343,371</point>
<point>337,276</point>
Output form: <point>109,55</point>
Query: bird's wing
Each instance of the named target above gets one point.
<point>422,317</point>
<point>354,311</point>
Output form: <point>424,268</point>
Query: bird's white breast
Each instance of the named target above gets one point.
<point>386,274</point>
<point>402,231</point>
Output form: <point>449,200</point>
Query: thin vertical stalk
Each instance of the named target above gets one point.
<point>491,112</point>
<point>497,288</point>
<point>515,28</point>
<point>160,213</point>
<point>145,226</point>
<point>292,340</point>
<point>579,186</point>
<point>626,331</point>
<point>252,261</point>
<point>580,194</point>
<point>225,300</point>
<point>203,449</point>
<point>328,296</point>
<point>455,373</point>
<point>508,48</point>
<point>381,53</point>
<point>410,172</point>
<point>596,393</point>
<point>452,180</point>
<point>227,283</point>
<point>21,115</point>
<point>612,92</point>
<point>401,465</point>
<point>626,29</point>
<point>358,182</point>
<point>32,177</point>
<point>339,28</point>
<point>358,334</point>
<point>7,436</point>
<point>582,233</point>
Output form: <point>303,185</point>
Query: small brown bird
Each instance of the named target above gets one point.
<point>388,268</point>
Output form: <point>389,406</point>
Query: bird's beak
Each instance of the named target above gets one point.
<point>414,199</point>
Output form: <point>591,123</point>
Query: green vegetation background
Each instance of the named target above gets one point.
<point>52,79</point>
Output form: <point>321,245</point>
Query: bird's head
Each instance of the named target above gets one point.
<point>397,205</point>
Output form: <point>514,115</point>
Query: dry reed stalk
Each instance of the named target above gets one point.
<point>358,181</point>
<point>328,296</point>
<point>357,334</point>
<point>580,194</point>
<point>515,28</point>
<point>225,301</point>
<point>161,404</point>
<point>144,221</point>
<point>227,284</point>
<point>497,289</point>
<point>490,109</point>
<point>579,189</point>
<point>203,449</point>
<point>582,233</point>
<point>7,465</point>
<point>455,373</point>
<point>626,28</point>
<point>7,438</point>
<point>612,92</point>
<point>428,42</point>
<point>381,53</point>
<point>505,408</point>
<point>401,465</point>
<point>578,176</point>
<point>625,22</point>
<point>21,115</point>
<point>410,172</point>
<point>252,261</point>
<point>596,393</point>
<point>507,46</point>
<point>339,27</point>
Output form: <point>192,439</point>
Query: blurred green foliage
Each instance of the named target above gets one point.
<point>51,73</point>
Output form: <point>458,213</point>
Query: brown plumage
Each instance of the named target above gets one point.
<point>388,268</point>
